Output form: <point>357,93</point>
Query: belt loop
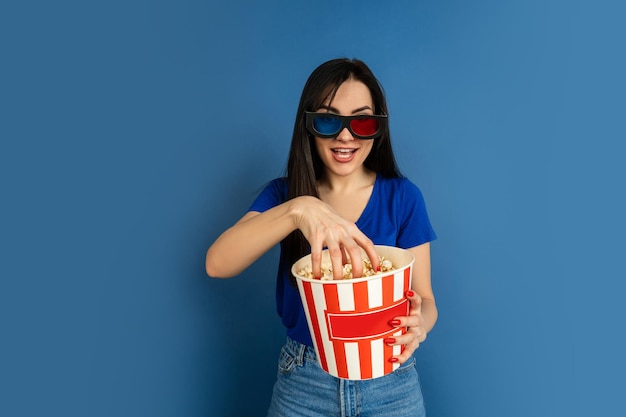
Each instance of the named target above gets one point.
<point>300,354</point>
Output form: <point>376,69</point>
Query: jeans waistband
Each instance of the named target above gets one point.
<point>300,351</point>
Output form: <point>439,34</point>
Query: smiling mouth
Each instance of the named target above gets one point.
<point>344,151</point>
<point>343,154</point>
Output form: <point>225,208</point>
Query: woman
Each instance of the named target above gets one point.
<point>342,191</point>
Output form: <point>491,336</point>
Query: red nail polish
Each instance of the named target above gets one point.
<point>390,340</point>
<point>410,293</point>
<point>378,268</point>
<point>393,359</point>
<point>317,277</point>
<point>394,322</point>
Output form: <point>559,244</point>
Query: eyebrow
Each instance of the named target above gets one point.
<point>334,110</point>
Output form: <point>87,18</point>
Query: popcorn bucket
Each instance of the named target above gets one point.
<point>349,319</point>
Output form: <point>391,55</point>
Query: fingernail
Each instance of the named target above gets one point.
<point>378,268</point>
<point>317,277</point>
<point>410,293</point>
<point>394,322</point>
<point>390,340</point>
<point>393,359</point>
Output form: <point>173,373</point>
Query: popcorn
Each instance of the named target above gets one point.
<point>327,270</point>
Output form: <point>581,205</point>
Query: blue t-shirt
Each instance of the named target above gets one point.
<point>395,215</point>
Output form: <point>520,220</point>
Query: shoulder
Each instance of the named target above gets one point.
<point>278,183</point>
<point>271,194</point>
<point>277,187</point>
<point>398,186</point>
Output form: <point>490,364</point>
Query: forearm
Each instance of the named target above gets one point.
<point>421,284</point>
<point>247,240</point>
<point>429,313</point>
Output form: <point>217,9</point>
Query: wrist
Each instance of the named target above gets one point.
<point>296,208</point>
<point>295,211</point>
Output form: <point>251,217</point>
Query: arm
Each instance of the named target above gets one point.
<point>255,233</point>
<point>247,240</point>
<point>423,311</point>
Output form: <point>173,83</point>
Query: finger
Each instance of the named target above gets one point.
<point>356,259</point>
<point>317,249</point>
<point>336,259</point>
<point>405,339</point>
<point>345,258</point>
<point>406,354</point>
<point>316,262</point>
<point>415,302</point>
<point>370,250</point>
<point>414,319</point>
<point>413,334</point>
<point>410,342</point>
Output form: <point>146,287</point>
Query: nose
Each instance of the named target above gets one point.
<point>345,135</point>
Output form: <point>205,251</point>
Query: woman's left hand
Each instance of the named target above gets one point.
<point>414,322</point>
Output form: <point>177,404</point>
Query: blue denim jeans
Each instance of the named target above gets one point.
<point>303,389</point>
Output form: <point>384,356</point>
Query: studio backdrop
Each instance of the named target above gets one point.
<point>134,132</point>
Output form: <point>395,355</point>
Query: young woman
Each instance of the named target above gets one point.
<point>342,191</point>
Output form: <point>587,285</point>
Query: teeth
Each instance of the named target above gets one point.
<point>343,150</point>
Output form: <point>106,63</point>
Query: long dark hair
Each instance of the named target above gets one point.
<point>304,167</point>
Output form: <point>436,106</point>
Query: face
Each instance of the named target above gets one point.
<point>345,154</point>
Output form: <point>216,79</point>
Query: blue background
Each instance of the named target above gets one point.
<point>134,132</point>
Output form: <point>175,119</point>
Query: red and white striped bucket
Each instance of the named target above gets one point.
<point>349,319</point>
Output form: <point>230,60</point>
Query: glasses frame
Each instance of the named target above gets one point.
<point>345,124</point>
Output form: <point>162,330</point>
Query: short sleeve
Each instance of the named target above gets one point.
<point>415,227</point>
<point>273,194</point>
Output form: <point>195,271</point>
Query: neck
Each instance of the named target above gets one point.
<point>346,184</point>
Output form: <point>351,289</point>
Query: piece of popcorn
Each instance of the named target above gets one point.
<point>386,265</point>
<point>368,271</point>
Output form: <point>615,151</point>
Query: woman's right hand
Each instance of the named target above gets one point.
<point>323,227</point>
